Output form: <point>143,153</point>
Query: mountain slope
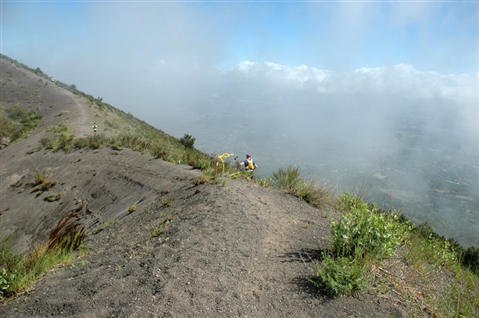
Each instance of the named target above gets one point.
<point>211,250</point>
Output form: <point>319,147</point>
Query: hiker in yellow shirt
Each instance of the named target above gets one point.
<point>249,164</point>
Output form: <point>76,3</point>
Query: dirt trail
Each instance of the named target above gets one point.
<point>82,121</point>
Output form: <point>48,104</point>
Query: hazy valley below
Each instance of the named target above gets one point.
<point>429,173</point>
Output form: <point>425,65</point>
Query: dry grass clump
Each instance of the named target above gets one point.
<point>291,181</point>
<point>18,272</point>
<point>68,234</point>
<point>431,287</point>
<point>53,197</point>
<point>42,182</point>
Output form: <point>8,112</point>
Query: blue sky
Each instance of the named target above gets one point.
<point>338,36</point>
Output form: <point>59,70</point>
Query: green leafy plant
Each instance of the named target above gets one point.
<point>361,237</point>
<point>365,231</point>
<point>265,182</point>
<point>18,123</point>
<point>201,164</point>
<point>64,141</point>
<point>188,141</point>
<point>337,277</point>
<point>6,279</point>
<point>132,208</point>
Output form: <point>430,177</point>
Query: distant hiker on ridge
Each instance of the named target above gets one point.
<point>95,128</point>
<point>249,164</point>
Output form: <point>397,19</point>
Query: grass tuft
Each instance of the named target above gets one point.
<point>19,272</point>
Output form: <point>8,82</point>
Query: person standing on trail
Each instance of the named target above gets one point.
<point>95,128</point>
<point>249,164</point>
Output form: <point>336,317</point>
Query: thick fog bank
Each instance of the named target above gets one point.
<point>409,137</point>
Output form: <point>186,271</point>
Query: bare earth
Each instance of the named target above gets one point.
<point>227,250</point>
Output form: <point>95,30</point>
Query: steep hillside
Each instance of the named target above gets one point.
<point>233,249</point>
<point>82,175</point>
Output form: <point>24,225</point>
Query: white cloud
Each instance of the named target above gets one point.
<point>398,79</point>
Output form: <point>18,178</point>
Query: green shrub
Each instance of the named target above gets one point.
<point>265,182</point>
<point>47,142</point>
<point>18,113</point>
<point>6,279</point>
<point>201,164</point>
<point>424,235</point>
<point>19,122</point>
<point>365,231</point>
<point>7,126</point>
<point>64,141</point>
<point>158,151</point>
<point>188,141</point>
<point>470,259</point>
<point>9,259</point>
<point>81,143</point>
<point>363,235</point>
<point>337,277</point>
<point>97,141</point>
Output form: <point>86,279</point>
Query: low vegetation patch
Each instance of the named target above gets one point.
<point>19,272</point>
<point>53,197</point>
<point>42,182</point>
<point>291,181</point>
<point>62,113</point>
<point>17,122</point>
<point>364,238</point>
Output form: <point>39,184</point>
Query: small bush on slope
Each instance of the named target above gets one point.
<point>291,181</point>
<point>18,123</point>
<point>364,231</point>
<point>361,237</point>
